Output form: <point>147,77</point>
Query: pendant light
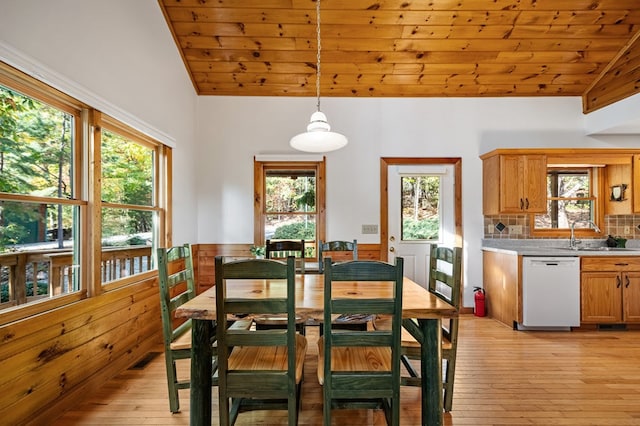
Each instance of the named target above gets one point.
<point>318,137</point>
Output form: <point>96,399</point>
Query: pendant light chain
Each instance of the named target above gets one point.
<point>318,55</point>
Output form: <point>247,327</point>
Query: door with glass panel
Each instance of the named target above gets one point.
<point>421,209</point>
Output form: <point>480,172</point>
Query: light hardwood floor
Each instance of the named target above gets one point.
<point>504,377</point>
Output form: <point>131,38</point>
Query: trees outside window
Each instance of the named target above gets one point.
<point>421,214</point>
<point>129,209</point>
<point>570,198</point>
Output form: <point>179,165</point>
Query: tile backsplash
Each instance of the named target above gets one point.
<point>517,227</point>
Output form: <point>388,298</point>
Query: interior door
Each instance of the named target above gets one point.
<point>421,211</point>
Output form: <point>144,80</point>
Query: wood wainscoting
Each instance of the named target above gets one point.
<point>50,362</point>
<point>204,255</point>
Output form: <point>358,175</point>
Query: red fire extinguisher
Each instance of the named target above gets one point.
<point>479,297</point>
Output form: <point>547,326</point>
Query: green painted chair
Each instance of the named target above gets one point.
<point>345,250</point>
<point>175,271</point>
<point>361,368</point>
<point>258,369</point>
<point>445,271</point>
<point>280,250</point>
<point>176,287</point>
<point>330,248</point>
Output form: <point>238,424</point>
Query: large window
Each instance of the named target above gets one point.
<point>570,198</point>
<point>78,208</point>
<point>39,209</point>
<point>129,210</point>
<point>290,204</point>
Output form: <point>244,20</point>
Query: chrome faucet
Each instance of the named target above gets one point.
<point>573,243</point>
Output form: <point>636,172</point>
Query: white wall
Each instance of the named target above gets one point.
<point>119,56</point>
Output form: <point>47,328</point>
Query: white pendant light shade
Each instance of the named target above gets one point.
<point>318,137</point>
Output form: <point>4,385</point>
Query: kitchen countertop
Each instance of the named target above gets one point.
<point>558,248</point>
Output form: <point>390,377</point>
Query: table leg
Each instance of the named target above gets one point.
<point>200,413</point>
<point>431,371</point>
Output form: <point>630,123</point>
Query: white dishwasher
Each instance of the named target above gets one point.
<point>550,292</point>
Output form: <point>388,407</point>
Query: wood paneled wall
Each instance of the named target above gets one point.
<point>204,255</point>
<point>50,362</point>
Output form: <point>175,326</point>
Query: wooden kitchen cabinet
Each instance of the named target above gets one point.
<point>635,183</point>
<point>610,290</point>
<point>514,183</point>
<point>619,174</point>
<point>501,281</point>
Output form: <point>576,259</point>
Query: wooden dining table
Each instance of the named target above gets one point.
<point>418,305</point>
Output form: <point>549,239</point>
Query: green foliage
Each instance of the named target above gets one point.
<point>296,231</point>
<point>306,200</point>
<point>258,250</point>
<point>425,229</point>
<point>286,195</point>
<point>43,288</point>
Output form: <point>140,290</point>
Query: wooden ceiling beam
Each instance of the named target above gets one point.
<point>386,68</point>
<point>204,15</point>
<point>247,89</point>
<point>619,80</point>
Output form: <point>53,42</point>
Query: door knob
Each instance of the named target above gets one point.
<point>392,238</point>
<point>392,249</point>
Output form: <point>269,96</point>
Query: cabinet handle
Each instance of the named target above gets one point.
<point>622,264</point>
<point>521,204</point>
<point>627,280</point>
<point>618,282</point>
<point>527,203</point>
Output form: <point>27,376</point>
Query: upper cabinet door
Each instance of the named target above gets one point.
<point>515,183</point>
<point>535,183</point>
<point>511,183</point>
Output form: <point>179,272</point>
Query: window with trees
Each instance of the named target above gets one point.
<point>570,198</point>
<point>78,208</point>
<point>421,213</point>
<point>290,203</point>
<point>129,207</point>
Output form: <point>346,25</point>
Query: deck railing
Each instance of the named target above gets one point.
<point>31,275</point>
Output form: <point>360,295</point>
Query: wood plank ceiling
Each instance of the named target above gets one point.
<point>405,48</point>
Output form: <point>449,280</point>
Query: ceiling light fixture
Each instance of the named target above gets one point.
<point>318,137</point>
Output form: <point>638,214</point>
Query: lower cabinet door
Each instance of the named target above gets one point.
<point>601,297</point>
<point>631,296</point>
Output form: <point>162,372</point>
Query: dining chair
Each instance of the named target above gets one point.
<point>282,249</point>
<point>332,248</point>
<point>175,272</point>
<point>445,271</point>
<point>341,250</point>
<point>258,369</point>
<point>176,287</point>
<point>361,368</point>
